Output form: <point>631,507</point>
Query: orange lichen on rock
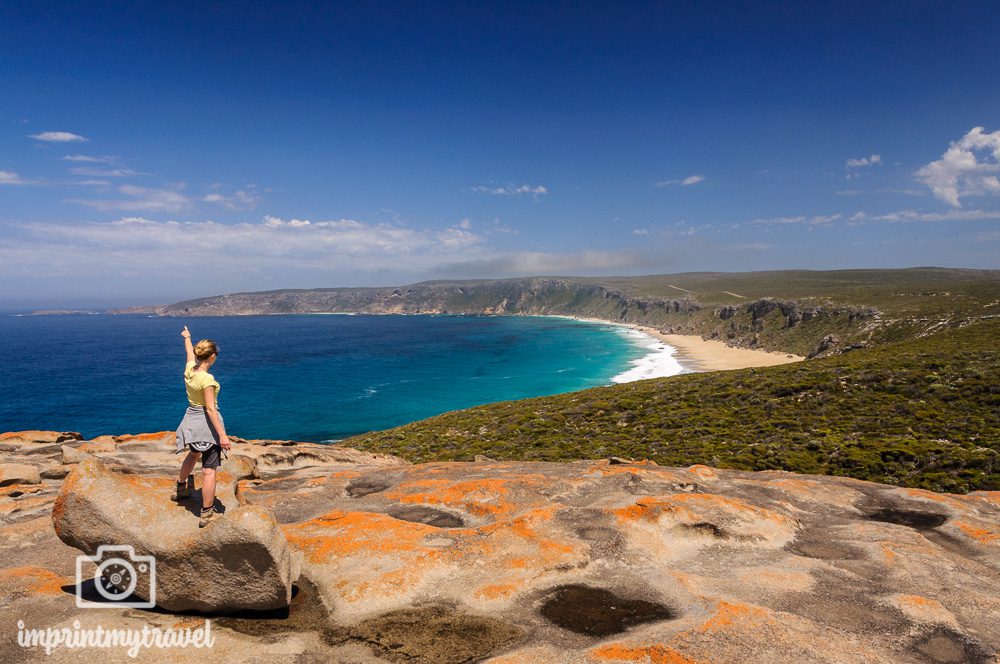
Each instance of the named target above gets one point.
<point>19,435</point>
<point>156,437</point>
<point>921,609</point>
<point>160,483</point>
<point>728,614</point>
<point>991,497</point>
<point>649,508</point>
<point>923,494</point>
<point>524,524</point>
<point>497,590</point>
<point>347,474</point>
<point>795,485</point>
<point>480,497</point>
<point>25,505</point>
<point>692,507</point>
<point>704,472</point>
<point>981,534</point>
<point>393,582</point>
<point>34,435</point>
<point>21,489</point>
<point>651,654</point>
<point>339,533</point>
<point>506,543</point>
<point>690,582</point>
<point>94,447</point>
<point>33,580</point>
<point>524,527</point>
<point>646,471</point>
<point>917,600</point>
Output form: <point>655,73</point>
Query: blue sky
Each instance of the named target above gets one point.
<point>151,152</point>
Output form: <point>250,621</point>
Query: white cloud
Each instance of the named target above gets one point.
<point>954,215</point>
<point>862,192</point>
<point>512,190</point>
<point>243,199</point>
<point>107,159</point>
<point>10,177</point>
<point>137,245</point>
<point>864,161</point>
<point>640,231</point>
<point>141,199</point>
<point>104,172</point>
<point>960,172</point>
<point>901,216</point>
<point>533,263</point>
<point>57,137</point>
<point>497,227</point>
<point>804,220</point>
<point>272,250</point>
<point>684,182</point>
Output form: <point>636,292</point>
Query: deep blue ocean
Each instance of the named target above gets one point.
<point>299,377</point>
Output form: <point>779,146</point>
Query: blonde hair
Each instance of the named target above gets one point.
<point>204,349</point>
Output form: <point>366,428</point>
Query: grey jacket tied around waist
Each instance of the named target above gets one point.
<point>196,430</point>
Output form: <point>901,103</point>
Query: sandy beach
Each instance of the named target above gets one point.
<point>707,355</point>
<point>697,354</point>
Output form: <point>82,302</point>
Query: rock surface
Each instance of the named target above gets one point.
<point>18,473</point>
<point>506,562</point>
<point>239,562</point>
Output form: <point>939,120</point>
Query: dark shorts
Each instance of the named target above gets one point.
<point>197,434</point>
<point>211,458</point>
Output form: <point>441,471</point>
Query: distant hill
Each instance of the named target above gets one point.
<point>813,313</point>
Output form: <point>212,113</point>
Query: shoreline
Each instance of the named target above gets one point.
<point>694,354</point>
<point>685,353</point>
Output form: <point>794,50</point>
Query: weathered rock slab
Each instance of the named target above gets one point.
<point>241,561</point>
<point>514,562</point>
<point>18,473</point>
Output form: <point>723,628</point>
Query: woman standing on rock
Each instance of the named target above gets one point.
<point>202,430</point>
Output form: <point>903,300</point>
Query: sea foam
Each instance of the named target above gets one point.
<point>658,362</point>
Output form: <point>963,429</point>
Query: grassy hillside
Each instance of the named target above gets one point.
<point>924,412</point>
<point>924,290</point>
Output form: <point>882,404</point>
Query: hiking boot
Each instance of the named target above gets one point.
<point>208,514</point>
<point>184,489</point>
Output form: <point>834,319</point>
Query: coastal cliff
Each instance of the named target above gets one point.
<point>755,324</point>
<point>808,313</point>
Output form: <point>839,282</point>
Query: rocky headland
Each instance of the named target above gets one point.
<point>328,553</point>
<point>805,312</point>
<point>742,325</point>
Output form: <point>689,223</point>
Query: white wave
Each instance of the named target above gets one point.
<point>659,361</point>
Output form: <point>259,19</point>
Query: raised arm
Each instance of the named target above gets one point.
<point>187,344</point>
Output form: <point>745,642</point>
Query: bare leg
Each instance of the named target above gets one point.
<point>207,487</point>
<point>188,465</point>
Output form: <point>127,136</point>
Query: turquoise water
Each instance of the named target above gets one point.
<point>308,377</point>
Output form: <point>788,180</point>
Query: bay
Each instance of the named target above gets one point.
<point>298,377</point>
